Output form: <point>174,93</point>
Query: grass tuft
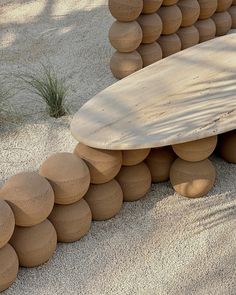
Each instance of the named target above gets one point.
<point>48,86</point>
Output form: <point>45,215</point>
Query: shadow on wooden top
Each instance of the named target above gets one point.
<point>184,97</point>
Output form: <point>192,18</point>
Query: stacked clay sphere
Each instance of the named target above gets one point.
<point>150,53</point>
<point>72,221</point>
<point>223,5</point>
<point>189,36</point>
<point>151,6</point>
<point>227,146</point>
<point>125,11</point>
<point>105,200</point>
<point>103,165</point>
<point>169,2</point>
<point>68,175</point>
<point>196,150</point>
<point>34,245</point>
<point>170,44</point>
<point>207,8</point>
<point>125,37</point>
<point>223,22</point>
<point>134,157</point>
<point>159,162</point>
<point>206,29</point>
<point>151,25</point>
<point>7,223</point>
<point>124,64</point>
<point>192,179</point>
<point>171,17</point>
<point>190,10</point>
<point>30,197</point>
<point>9,266</point>
<point>135,181</point>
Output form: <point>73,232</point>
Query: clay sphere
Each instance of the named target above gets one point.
<point>150,53</point>
<point>125,64</point>
<point>134,157</point>
<point>135,181</point>
<point>206,29</point>
<point>68,175</point>
<point>223,5</point>
<point>223,22</point>
<point>171,17</point>
<point>105,200</point>
<point>169,2</point>
<point>125,11</point>
<point>170,44</point>
<point>7,223</point>
<point>34,245</point>
<point>192,179</point>
<point>103,165</point>
<point>125,37</point>
<point>232,12</point>
<point>159,162</point>
<point>207,8</point>
<point>196,150</point>
<point>189,36</point>
<point>9,267</point>
<point>71,222</point>
<point>151,25</point>
<point>30,197</point>
<point>234,2</point>
<point>227,146</point>
<point>151,6</point>
<point>190,10</point>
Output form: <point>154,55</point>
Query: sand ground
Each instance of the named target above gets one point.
<point>162,244</point>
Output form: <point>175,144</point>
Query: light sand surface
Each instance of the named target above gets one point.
<point>162,244</point>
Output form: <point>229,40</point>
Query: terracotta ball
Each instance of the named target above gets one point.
<point>171,17</point>
<point>125,37</point>
<point>135,181</point>
<point>30,197</point>
<point>134,157</point>
<point>196,150</point>
<point>71,222</point>
<point>223,5</point>
<point>125,11</point>
<point>206,29</point>
<point>151,25</point>
<point>227,146</point>
<point>103,165</point>
<point>159,162</point>
<point>223,22</point>
<point>125,64</point>
<point>232,12</point>
<point>150,53</point>
<point>68,175</point>
<point>151,6</point>
<point>9,267</point>
<point>189,36</point>
<point>192,179</point>
<point>170,44</point>
<point>190,10</point>
<point>105,200</point>
<point>169,2</point>
<point>207,8</point>
<point>7,223</point>
<point>36,244</point>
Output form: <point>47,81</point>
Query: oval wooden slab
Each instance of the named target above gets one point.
<point>184,97</point>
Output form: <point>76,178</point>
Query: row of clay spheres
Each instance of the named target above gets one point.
<point>59,202</point>
<point>145,31</point>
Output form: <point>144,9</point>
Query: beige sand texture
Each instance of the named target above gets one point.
<point>163,244</point>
